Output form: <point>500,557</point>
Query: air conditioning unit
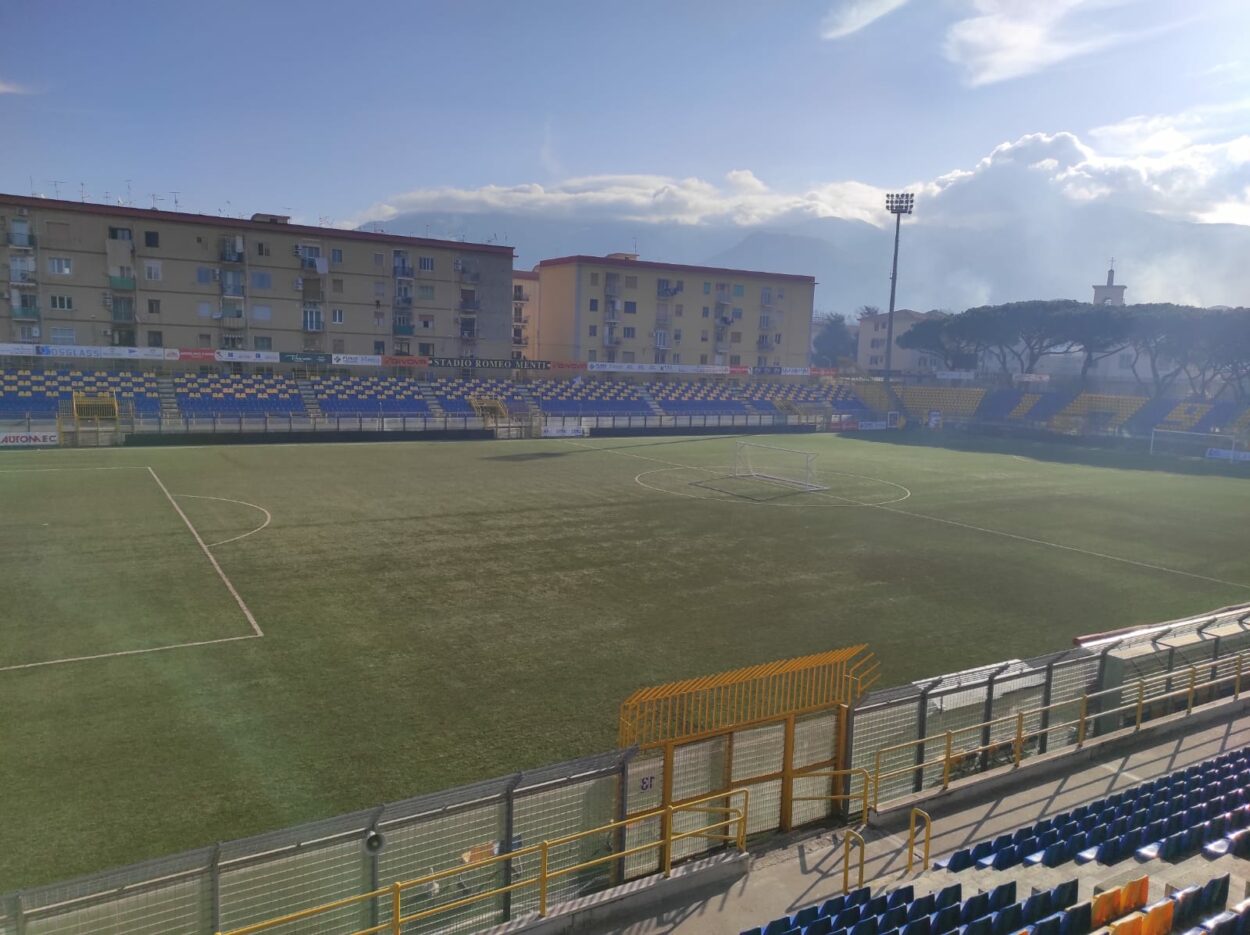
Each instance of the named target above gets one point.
<point>216,275</point>
<point>107,299</point>
<point>217,314</point>
<point>298,283</point>
<point>23,212</point>
<point>295,250</point>
<point>107,332</point>
<point>34,331</point>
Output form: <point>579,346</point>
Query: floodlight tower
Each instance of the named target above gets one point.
<point>897,205</point>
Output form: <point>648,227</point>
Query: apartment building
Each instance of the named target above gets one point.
<point>872,340</point>
<point>618,308</point>
<point>526,291</point>
<point>88,274</point>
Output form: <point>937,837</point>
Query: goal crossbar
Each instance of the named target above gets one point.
<point>786,466</point>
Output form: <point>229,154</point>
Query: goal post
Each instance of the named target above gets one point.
<point>1211,445</point>
<point>786,466</point>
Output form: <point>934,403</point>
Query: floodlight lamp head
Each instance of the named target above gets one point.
<point>900,203</point>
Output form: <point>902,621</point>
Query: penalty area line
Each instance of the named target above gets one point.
<point>129,652</point>
<point>256,630</point>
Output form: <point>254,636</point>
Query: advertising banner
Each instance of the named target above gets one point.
<point>196,353</point>
<point>781,371</point>
<point>955,374</point>
<point>27,439</point>
<point>1224,454</point>
<point>568,365</point>
<point>358,360</point>
<point>604,366</point>
<point>248,357</point>
<point>304,357</point>
<point>489,363</point>
<point>564,431</point>
<point>1031,377</point>
<point>823,371</point>
<point>403,360</point>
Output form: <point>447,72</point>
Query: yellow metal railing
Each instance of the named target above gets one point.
<point>862,796</point>
<point>730,829</point>
<point>852,839</point>
<point>1012,746</point>
<point>911,838</point>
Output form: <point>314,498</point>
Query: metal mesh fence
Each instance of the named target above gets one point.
<point>1068,682</point>
<point>644,792</point>
<point>698,769</point>
<point>885,719</point>
<point>815,742</point>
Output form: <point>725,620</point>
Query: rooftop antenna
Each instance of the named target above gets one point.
<point>82,192</point>
<point>156,199</point>
<point>635,246</point>
<point>32,186</point>
<point>129,200</point>
<point>56,186</point>
<point>175,194</point>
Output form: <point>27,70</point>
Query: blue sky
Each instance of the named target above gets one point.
<point>671,111</point>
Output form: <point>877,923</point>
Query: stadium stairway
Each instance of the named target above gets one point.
<point>309,395</point>
<point>656,408</point>
<point>1154,414</point>
<point>169,401</point>
<point>431,399</point>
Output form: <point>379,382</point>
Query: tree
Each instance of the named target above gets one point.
<point>1160,342</point>
<point>941,337</point>
<point>833,341</point>
<point>1097,331</point>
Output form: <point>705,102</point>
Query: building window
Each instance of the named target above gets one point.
<point>425,349</point>
<point>204,309</point>
<point>154,306</point>
<point>60,265</point>
<point>262,249</point>
<point>262,280</point>
<point>155,338</point>
<point>336,285</point>
<point>403,348</point>
<point>592,355</point>
<point>631,308</point>
<point>735,337</point>
<point>703,358</point>
<point>336,255</point>
<point>425,293</point>
<point>337,345</point>
<point>313,320</point>
<point>735,360</point>
<point>676,335</point>
<point>152,239</point>
<point>875,342</point>
<point>336,316</point>
<point>627,357</point>
<point>594,279</point>
<point>678,309</point>
<point>628,332</point>
<point>62,303</point>
<point>152,270</point>
<point>706,311</point>
<point>594,305</point>
<point>204,340</point>
<point>379,289</point>
<point>378,259</point>
<point>63,336</point>
<point>703,335</point>
<point>203,275</point>
<point>379,347</point>
<point>427,322</point>
<point>425,264</point>
<point>777,338</point>
<point>120,233</point>
<point>594,331</point>
<point>262,313</point>
<point>739,290</point>
<point>262,342</point>
<point>232,342</point>
<point>631,282</point>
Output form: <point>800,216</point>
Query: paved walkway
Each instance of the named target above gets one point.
<point>810,870</point>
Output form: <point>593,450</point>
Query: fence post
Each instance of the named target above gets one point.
<point>396,908</point>
<point>1193,681</point>
<point>787,774</point>
<point>1237,679</point>
<point>668,841</point>
<point>1019,744</point>
<point>1141,701</point>
<point>542,880</point>
<point>876,782</point>
<point>946,763</point>
<point>622,812</point>
<point>214,891</point>
<point>1080,726</point>
<point>509,807</point>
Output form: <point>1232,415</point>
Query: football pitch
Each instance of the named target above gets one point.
<point>198,644</point>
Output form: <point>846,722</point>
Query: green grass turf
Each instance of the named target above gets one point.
<point>439,613</point>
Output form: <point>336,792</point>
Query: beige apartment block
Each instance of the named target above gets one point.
<point>618,308</point>
<point>88,274</point>
<point>526,291</point>
<point>873,330</point>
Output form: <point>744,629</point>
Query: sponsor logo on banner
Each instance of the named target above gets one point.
<point>358,360</point>
<point>74,350</point>
<point>1031,377</point>
<point>873,426</point>
<point>404,360</point>
<point>823,371</point>
<point>955,374</point>
<point>781,371</point>
<point>27,439</point>
<point>935,418</point>
<point>564,431</point>
<point>605,366</point>
<point>254,357</point>
<point>568,365</point>
<point>1225,454</point>
<point>196,353</point>
<point>303,357</point>
<point>740,370</point>
<point>489,363</point>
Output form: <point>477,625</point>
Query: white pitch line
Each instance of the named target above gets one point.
<point>40,470</point>
<point>128,652</point>
<point>990,532</point>
<point>268,516</point>
<point>209,555</point>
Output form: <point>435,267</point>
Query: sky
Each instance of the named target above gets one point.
<point>668,111</point>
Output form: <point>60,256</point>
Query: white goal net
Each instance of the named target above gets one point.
<point>786,466</point>
<point>1215,446</point>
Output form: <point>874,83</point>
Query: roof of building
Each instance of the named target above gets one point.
<point>524,274</point>
<point>244,224</point>
<point>905,313</point>
<point>677,267</point>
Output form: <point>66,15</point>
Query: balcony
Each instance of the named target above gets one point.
<point>404,271</point>
<point>26,312</point>
<point>666,292</point>
<point>765,343</point>
<point>22,241</point>
<point>308,262</point>
<point>520,319</point>
<point>468,275</point>
<point>469,305</point>
<point>313,326</point>
<point>662,320</point>
<point>122,283</point>
<point>721,346</point>
<point>612,288</point>
<point>469,334</point>
<point>662,343</point>
<point>21,277</point>
<point>611,339</point>
<point>612,314</point>
<point>403,329</point>
<point>520,341</point>
<point>122,315</point>
<point>403,301</point>
<point>520,296</point>
<point>234,289</point>
<point>766,323</point>
<point>230,255</point>
<point>766,303</point>
<point>233,322</point>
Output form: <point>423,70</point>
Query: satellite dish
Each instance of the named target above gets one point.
<point>374,842</point>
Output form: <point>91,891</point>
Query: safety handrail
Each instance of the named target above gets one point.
<point>735,818</point>
<point>1143,691</point>
<point>911,837</point>
<point>852,838</point>
<point>862,795</point>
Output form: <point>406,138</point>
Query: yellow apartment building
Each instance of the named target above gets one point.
<point>526,291</point>
<point>618,308</point>
<point>87,274</point>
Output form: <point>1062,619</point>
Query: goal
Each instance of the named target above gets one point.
<point>1215,446</point>
<point>786,466</point>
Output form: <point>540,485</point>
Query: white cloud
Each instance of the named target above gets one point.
<point>1005,39</point>
<point>850,16</point>
<point>10,87</point>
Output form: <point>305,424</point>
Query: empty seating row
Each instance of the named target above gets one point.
<point>205,395</point>
<point>369,396</point>
<point>588,398</point>
<point>39,394</point>
<point>1117,825</point>
<point>455,396</point>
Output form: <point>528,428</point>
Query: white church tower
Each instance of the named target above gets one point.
<point>1110,294</point>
